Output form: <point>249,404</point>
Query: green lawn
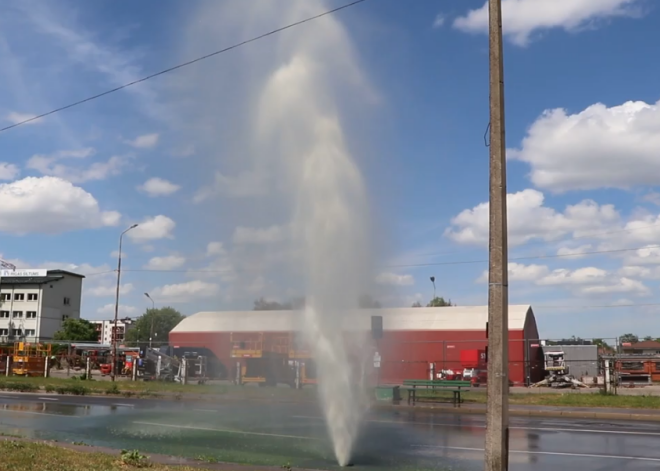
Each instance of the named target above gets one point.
<point>567,399</point>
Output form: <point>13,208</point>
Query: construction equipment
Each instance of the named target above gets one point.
<point>300,359</point>
<point>557,372</point>
<point>260,358</point>
<point>29,359</point>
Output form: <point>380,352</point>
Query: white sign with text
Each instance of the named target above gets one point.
<point>24,273</point>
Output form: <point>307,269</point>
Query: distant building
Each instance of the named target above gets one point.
<point>646,347</point>
<point>34,303</point>
<point>105,330</point>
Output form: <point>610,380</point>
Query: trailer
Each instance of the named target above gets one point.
<point>260,359</point>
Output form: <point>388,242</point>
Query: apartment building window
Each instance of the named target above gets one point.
<point>30,332</point>
<point>19,296</point>
<point>67,301</point>
<point>65,317</point>
<point>4,332</point>
<point>17,314</point>
<point>5,297</point>
<point>31,315</point>
<point>4,314</point>
<point>18,332</point>
<point>33,296</point>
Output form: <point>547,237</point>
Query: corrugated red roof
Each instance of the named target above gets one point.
<point>644,345</point>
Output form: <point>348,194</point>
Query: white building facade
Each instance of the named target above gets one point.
<point>34,303</point>
<point>105,330</point>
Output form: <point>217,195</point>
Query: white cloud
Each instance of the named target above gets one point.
<point>622,285</point>
<point>395,279</point>
<point>110,290</point>
<point>563,276</point>
<point>49,205</point>
<point>158,187</point>
<point>522,18</point>
<point>185,292</point>
<point>634,271</point>
<point>246,184</point>
<point>146,141</point>
<point>573,252</point>
<point>169,262</point>
<point>215,248</point>
<point>529,219</point>
<point>15,118</point>
<point>649,255</point>
<point>184,151</point>
<point>263,235</point>
<point>48,165</point>
<point>439,20</point>
<point>598,147</point>
<point>123,310</point>
<point>520,272</point>
<point>158,227</point>
<point>8,171</point>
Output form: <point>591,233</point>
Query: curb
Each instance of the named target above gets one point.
<point>623,416</point>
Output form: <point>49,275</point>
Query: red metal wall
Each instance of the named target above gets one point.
<point>404,354</point>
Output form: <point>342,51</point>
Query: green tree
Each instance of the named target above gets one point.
<point>628,338</point>
<point>648,338</point>
<point>439,302</point>
<point>161,320</point>
<point>79,330</point>
<point>417,304</point>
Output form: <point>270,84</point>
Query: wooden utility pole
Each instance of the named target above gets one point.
<point>497,416</point>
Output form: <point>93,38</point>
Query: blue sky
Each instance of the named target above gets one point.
<point>181,154</point>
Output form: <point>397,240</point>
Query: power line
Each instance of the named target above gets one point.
<point>185,64</point>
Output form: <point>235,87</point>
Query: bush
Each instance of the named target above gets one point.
<point>20,387</point>
<point>75,389</point>
<point>114,389</point>
<point>50,388</point>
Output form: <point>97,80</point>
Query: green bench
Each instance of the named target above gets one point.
<point>456,387</point>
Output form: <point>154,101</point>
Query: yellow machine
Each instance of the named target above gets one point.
<point>260,358</point>
<point>30,359</point>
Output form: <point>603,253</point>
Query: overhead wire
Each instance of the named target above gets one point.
<point>184,64</point>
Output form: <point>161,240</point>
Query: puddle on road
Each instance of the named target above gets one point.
<point>50,408</point>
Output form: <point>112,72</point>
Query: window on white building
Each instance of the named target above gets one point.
<point>33,296</point>
<point>30,332</point>
<point>31,315</point>
<point>19,296</point>
<point>18,332</point>
<point>4,331</point>
<point>67,301</point>
<point>4,314</point>
<point>65,317</point>
<point>17,314</point>
<point>5,297</point>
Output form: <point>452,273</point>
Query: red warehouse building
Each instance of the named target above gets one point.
<point>416,342</point>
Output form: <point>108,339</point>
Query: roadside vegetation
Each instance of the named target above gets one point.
<point>19,455</point>
<point>564,399</point>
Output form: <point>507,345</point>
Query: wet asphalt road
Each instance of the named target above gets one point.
<point>277,434</point>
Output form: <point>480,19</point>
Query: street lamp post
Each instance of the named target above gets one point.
<point>433,281</point>
<point>114,340</point>
<point>153,315</point>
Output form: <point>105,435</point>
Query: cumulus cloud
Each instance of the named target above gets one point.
<point>522,18</point>
<point>169,262</point>
<point>573,252</point>
<point>145,141</point>
<point>153,228</point>
<point>110,290</point>
<point>215,248</point>
<point>598,147</point>
<point>185,292</point>
<point>49,205</point>
<point>259,235</point>
<point>520,272</point>
<point>15,118</point>
<point>51,165</point>
<point>585,281</point>
<point>394,279</point>
<point>8,171</point>
<point>529,219</point>
<point>123,310</point>
<point>158,187</point>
